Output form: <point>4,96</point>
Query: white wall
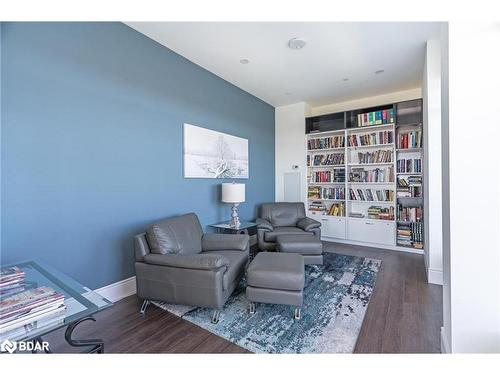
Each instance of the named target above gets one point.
<point>291,146</point>
<point>371,101</point>
<point>445,178</point>
<point>473,282</point>
<point>431,94</point>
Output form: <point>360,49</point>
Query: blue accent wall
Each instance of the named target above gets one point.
<point>92,119</point>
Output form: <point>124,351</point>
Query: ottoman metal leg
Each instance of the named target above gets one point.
<point>251,308</point>
<point>297,314</point>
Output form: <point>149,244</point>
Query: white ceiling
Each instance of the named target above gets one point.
<point>314,74</point>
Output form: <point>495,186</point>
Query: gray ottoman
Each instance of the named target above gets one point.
<point>276,278</point>
<point>308,246</point>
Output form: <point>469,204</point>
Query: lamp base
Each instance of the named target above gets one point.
<point>235,220</point>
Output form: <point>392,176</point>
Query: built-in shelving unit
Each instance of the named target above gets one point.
<point>372,193</point>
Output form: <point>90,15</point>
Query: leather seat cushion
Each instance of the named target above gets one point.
<point>271,236</point>
<point>276,271</point>
<point>300,244</point>
<point>237,262</point>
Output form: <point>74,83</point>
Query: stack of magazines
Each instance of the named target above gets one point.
<point>33,308</point>
<point>11,280</point>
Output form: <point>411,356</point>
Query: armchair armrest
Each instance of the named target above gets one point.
<point>308,224</point>
<point>197,261</point>
<point>219,241</point>
<point>264,224</point>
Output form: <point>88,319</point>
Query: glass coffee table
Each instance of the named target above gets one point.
<point>81,304</point>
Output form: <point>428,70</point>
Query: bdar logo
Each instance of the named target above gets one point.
<point>8,346</point>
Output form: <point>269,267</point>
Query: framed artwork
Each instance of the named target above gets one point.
<point>211,154</point>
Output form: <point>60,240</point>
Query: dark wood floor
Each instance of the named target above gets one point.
<point>404,316</point>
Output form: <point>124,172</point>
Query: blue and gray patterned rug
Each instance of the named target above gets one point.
<point>336,297</point>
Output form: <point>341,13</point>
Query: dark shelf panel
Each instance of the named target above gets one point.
<point>324,123</point>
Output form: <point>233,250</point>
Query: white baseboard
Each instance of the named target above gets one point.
<point>434,276</point>
<point>445,347</point>
<point>119,290</point>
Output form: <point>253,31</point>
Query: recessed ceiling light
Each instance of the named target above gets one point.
<point>296,43</point>
<point>379,71</point>
<point>345,79</point>
<point>244,61</point>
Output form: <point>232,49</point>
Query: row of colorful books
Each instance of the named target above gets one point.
<point>327,142</point>
<point>39,305</point>
<point>371,139</point>
<point>412,139</point>
<point>409,166</point>
<point>409,181</point>
<point>11,280</point>
<point>411,214</point>
<point>414,191</point>
<point>371,195</point>
<point>411,235</point>
<point>382,117</point>
<point>381,213</point>
<point>326,159</point>
<point>317,207</point>
<point>337,175</point>
<point>337,209</point>
<point>379,156</point>
<point>372,175</point>
<point>318,192</point>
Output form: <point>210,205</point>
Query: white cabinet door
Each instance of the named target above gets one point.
<point>333,227</point>
<point>378,232</point>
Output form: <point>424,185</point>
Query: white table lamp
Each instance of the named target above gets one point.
<point>235,194</point>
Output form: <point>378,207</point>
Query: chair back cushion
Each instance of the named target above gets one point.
<point>283,214</point>
<point>177,235</point>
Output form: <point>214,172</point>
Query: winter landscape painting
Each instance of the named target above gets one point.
<point>211,154</point>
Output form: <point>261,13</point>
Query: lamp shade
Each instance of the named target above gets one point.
<point>233,193</point>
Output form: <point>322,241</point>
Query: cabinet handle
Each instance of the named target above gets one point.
<point>324,219</point>
<point>367,223</point>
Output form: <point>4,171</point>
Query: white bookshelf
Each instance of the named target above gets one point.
<point>367,230</point>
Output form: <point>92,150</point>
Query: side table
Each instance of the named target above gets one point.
<point>246,227</point>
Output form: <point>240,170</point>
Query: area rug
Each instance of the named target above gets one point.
<point>336,296</point>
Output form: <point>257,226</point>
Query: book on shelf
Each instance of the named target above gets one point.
<point>361,174</point>
<point>325,159</point>
<point>413,191</point>
<point>357,215</point>
<point>409,165</point>
<point>337,175</point>
<point>409,140</point>
<point>409,181</point>
<point>371,195</point>
<point>381,213</point>
<point>325,143</point>
<point>410,235</point>
<point>337,209</point>
<point>318,192</point>
<point>410,214</point>
<point>371,139</point>
<point>379,156</point>
<point>382,117</point>
<point>317,207</point>
<point>320,208</point>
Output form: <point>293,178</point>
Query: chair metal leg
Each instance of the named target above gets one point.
<point>215,317</point>
<point>251,308</point>
<point>144,306</point>
<point>297,314</point>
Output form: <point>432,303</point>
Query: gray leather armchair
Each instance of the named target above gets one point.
<point>176,263</point>
<point>277,219</point>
